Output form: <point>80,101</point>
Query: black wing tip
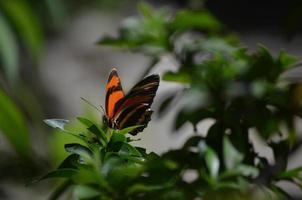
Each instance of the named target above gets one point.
<point>112,73</point>
<point>153,76</point>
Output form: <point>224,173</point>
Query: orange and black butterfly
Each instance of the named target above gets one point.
<point>133,108</point>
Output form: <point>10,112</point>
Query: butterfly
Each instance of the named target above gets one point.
<point>125,110</point>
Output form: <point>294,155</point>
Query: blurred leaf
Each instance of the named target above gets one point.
<point>23,18</point>
<point>145,9</point>
<point>109,165</point>
<point>80,150</point>
<point>128,150</point>
<point>141,188</point>
<point>13,125</point>
<point>201,20</point>
<point>124,174</point>
<point>57,12</point>
<point>247,170</point>
<point>70,162</point>
<point>60,190</point>
<point>177,77</point>
<point>290,174</point>
<point>231,156</point>
<point>8,50</point>
<point>280,193</point>
<point>166,103</point>
<point>212,162</point>
<point>85,192</point>
<point>146,33</point>
<point>85,175</point>
<point>59,173</point>
<point>191,116</point>
<point>286,60</point>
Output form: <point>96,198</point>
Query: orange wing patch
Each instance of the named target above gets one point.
<point>113,99</point>
<point>114,93</point>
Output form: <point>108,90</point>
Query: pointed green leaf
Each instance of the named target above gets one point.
<point>85,192</point>
<point>70,162</point>
<point>13,125</point>
<point>25,21</point>
<point>59,173</point>
<point>8,50</point>
<point>231,156</point>
<point>80,150</point>
<point>129,129</point>
<point>94,128</point>
<point>203,20</point>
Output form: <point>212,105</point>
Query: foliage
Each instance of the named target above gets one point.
<point>25,25</point>
<point>244,93</point>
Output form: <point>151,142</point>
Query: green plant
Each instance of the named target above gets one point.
<point>244,93</point>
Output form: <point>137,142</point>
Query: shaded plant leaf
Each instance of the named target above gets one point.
<point>8,51</point>
<point>85,192</point>
<point>202,20</point>
<point>13,125</point>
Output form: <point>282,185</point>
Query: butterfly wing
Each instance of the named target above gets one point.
<point>134,108</point>
<point>114,93</point>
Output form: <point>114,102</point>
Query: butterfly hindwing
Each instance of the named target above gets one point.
<point>134,108</point>
<point>134,115</point>
<point>141,93</point>
<point>114,93</point>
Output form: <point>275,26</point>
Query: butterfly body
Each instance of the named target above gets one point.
<point>125,110</point>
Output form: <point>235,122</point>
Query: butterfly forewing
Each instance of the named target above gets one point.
<point>114,93</point>
<point>132,109</point>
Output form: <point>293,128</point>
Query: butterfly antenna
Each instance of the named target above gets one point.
<point>86,101</point>
<point>103,109</point>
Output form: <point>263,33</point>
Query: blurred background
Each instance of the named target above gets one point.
<point>49,59</point>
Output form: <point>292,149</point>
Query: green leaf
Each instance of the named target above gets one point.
<point>70,162</point>
<point>212,162</point>
<point>145,9</point>
<point>128,150</point>
<point>59,173</point>
<point>85,192</point>
<point>177,77</point>
<point>25,21</point>
<point>8,50</point>
<point>80,150</point>
<point>13,125</point>
<point>202,20</point>
<point>85,122</point>
<point>289,174</point>
<point>286,60</point>
<point>60,190</point>
<point>118,137</point>
<point>230,154</point>
<point>57,12</point>
<point>94,128</point>
<point>142,188</point>
<point>248,170</point>
<point>57,123</point>
<point>129,129</point>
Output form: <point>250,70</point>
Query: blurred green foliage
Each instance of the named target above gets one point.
<point>25,25</point>
<point>240,90</point>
